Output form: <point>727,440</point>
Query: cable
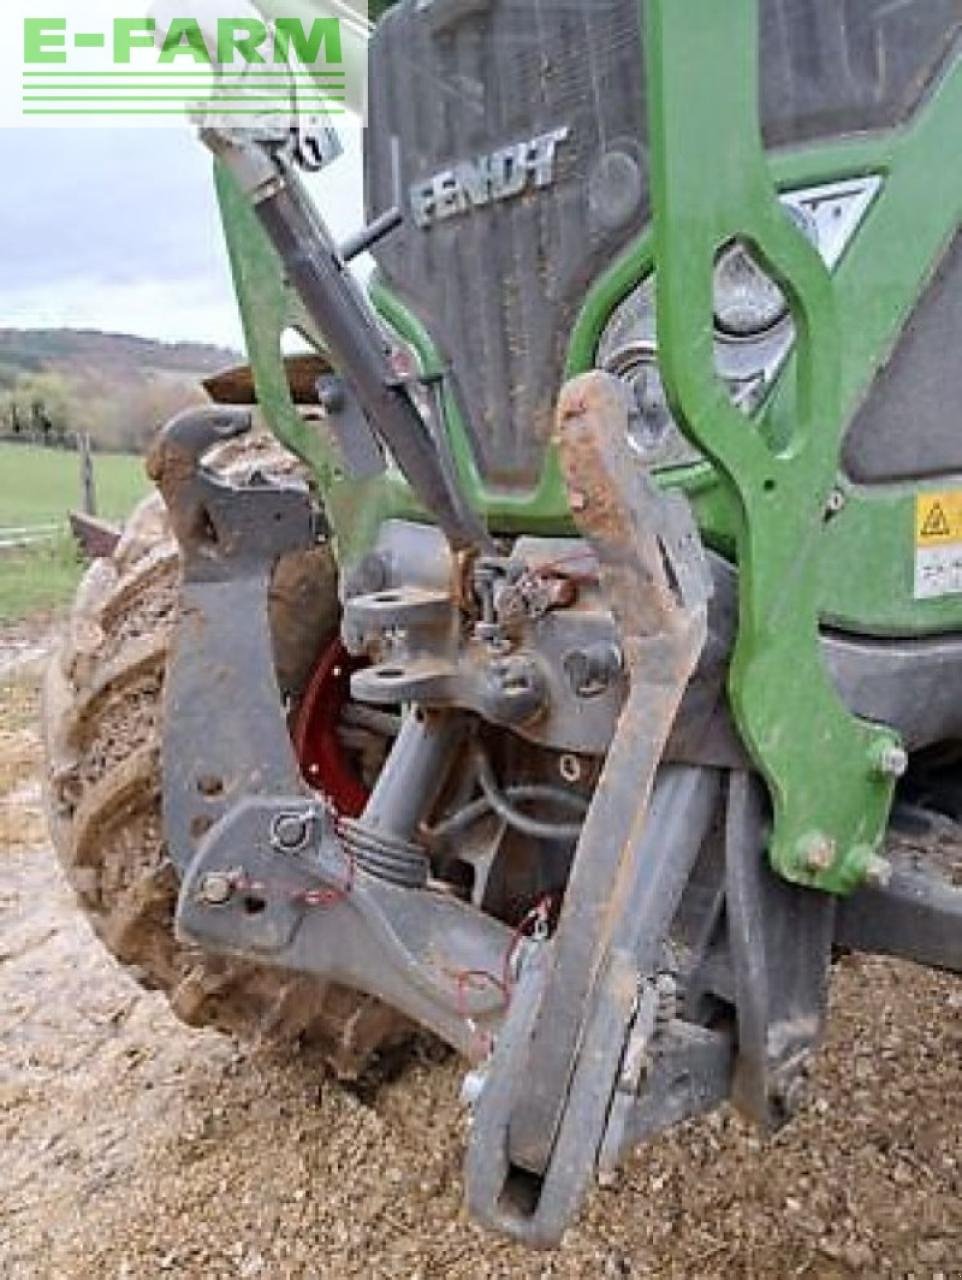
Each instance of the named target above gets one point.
<point>503,807</point>
<point>520,793</point>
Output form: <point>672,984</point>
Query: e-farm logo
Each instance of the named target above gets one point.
<point>208,62</point>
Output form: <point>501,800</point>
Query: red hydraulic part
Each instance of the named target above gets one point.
<point>323,760</point>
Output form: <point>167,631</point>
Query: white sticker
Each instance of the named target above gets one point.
<point>938,545</point>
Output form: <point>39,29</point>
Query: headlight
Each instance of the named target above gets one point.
<point>652,429</point>
<point>747,302</point>
<point>754,332</point>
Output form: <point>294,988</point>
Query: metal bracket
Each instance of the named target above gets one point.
<point>267,872</point>
<point>536,1151</point>
<point>224,734</point>
<point>337,307</point>
<point>687,1070</point>
<point>317,911</point>
<point>780,941</point>
<point>504,1192</point>
<point>916,914</point>
<point>790,716</point>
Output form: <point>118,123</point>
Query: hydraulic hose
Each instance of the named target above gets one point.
<point>504,804</point>
<point>520,793</point>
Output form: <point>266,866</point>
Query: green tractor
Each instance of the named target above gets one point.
<point>548,672</point>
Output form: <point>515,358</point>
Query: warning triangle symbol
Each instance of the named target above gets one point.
<point>936,523</point>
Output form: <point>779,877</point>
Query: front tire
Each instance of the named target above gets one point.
<point>102,734</point>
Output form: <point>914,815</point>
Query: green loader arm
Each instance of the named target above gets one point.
<point>815,756</point>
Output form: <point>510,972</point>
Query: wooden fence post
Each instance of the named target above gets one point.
<point>87,481</point>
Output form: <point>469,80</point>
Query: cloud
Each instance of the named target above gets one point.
<point>119,229</point>
<point>194,310</point>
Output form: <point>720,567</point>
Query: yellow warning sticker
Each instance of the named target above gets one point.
<point>938,544</point>
<point>938,518</point>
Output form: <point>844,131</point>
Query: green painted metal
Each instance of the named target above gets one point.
<point>877,284</point>
<point>830,797</point>
<point>267,311</point>
<point>354,509</point>
<point>543,511</point>
<point>866,574</point>
<point>854,571</point>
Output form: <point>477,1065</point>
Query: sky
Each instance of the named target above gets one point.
<point>118,229</point>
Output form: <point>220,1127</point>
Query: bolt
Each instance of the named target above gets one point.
<point>492,636</point>
<point>216,889</point>
<point>592,670</point>
<point>835,502</point>
<point>290,832</point>
<point>472,1086</point>
<point>330,394</point>
<point>816,852</point>
<point>878,872</point>
<point>891,760</point>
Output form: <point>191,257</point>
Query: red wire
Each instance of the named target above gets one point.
<point>330,897</point>
<point>540,910</point>
<point>464,977</point>
<point>542,570</point>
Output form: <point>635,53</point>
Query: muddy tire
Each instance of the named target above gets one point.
<point>102,728</point>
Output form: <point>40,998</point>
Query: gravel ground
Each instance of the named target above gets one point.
<point>133,1147</point>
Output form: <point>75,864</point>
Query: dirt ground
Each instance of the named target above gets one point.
<point>133,1147</point>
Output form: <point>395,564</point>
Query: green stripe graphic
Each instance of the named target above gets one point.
<point>158,111</point>
<point>252,102</point>
<point>241,75</point>
<point>249,92</point>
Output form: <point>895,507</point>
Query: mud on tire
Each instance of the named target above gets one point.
<point>102,729</point>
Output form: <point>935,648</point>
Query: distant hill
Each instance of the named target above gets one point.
<point>116,387</point>
<point>32,349</point>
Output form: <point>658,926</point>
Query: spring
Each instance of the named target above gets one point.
<point>385,856</point>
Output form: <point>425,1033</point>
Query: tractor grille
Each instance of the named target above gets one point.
<point>499,285</point>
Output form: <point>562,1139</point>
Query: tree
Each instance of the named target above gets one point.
<point>38,406</point>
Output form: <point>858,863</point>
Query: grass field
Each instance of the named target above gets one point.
<point>39,486</point>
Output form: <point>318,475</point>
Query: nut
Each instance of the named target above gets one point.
<point>817,852</point>
<point>291,832</point>
<point>216,889</point>
<point>878,872</point>
<point>569,766</point>
<point>892,760</point>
